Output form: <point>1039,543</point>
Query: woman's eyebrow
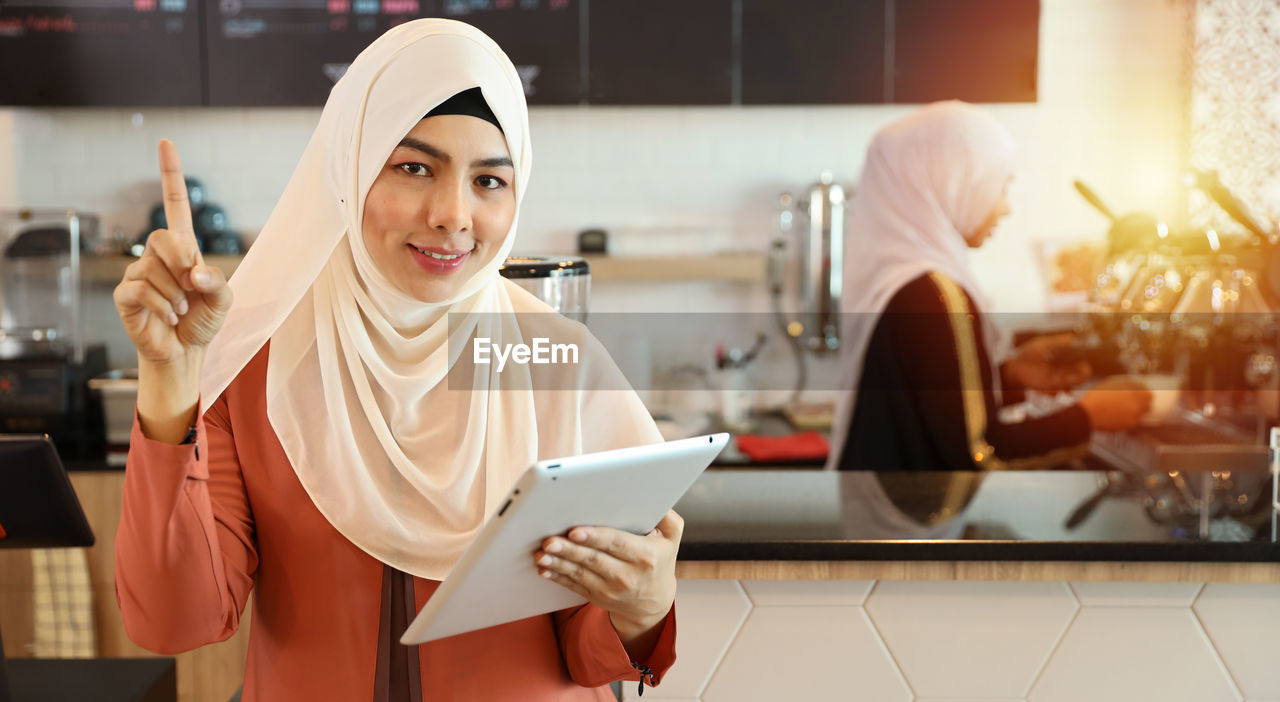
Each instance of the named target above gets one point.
<point>497,162</point>
<point>433,152</point>
<point>424,147</point>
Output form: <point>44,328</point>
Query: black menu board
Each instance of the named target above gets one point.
<point>975,50</point>
<point>542,37</point>
<point>249,53</point>
<point>290,52</point>
<point>660,52</point>
<point>812,52</point>
<point>100,53</point>
<point>287,52</point>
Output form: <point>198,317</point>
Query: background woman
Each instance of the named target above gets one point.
<point>918,343</point>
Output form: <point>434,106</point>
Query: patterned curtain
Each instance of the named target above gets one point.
<point>1235,106</point>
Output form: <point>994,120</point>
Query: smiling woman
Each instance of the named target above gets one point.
<point>302,442</point>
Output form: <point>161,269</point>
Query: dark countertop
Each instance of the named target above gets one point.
<point>746,511</point>
<point>762,515</point>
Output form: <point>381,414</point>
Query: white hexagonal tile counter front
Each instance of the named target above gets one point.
<point>708,615</point>
<point>1121,655</point>
<point>971,639</point>
<point>807,592</point>
<point>807,653</point>
<point>1243,622</point>
<point>966,699</point>
<point>1136,594</point>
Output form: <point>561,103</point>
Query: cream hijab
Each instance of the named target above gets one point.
<point>930,179</point>
<point>402,465</point>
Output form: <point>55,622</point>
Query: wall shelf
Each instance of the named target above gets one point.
<point>736,267</point>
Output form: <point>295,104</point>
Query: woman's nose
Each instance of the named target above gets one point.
<point>448,210</point>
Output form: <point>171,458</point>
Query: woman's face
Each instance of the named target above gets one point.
<point>988,226</point>
<point>441,206</point>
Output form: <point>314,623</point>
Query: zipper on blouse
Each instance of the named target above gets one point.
<point>192,437</point>
<point>645,672</point>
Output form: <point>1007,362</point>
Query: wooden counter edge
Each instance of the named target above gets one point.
<point>1013,571</point>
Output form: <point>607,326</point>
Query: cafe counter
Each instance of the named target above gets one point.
<point>1063,585</point>
<point>805,584</point>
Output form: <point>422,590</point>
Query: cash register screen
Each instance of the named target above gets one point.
<point>38,506</point>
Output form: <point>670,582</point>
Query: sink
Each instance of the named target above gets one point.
<point>682,425</point>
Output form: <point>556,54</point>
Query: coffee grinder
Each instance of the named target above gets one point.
<point>45,364</point>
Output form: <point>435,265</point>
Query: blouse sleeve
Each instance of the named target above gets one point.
<point>595,656</point>
<point>185,552</point>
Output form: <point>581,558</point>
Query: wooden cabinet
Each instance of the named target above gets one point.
<point>973,50</point>
<point>661,52</point>
<point>813,52</point>
<point>209,674</point>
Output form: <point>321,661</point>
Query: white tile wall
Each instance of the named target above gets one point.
<point>989,641</point>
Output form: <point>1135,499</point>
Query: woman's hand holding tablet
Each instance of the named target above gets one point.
<point>630,576</point>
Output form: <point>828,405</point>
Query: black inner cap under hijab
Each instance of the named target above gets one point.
<point>468,102</point>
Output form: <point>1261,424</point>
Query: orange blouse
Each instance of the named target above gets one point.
<point>205,524</point>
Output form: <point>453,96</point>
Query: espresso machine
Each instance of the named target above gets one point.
<point>1202,308</point>
<point>45,363</point>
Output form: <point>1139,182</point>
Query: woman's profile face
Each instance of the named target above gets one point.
<point>441,206</point>
<point>979,236</point>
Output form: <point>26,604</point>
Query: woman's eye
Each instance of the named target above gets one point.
<point>416,169</point>
<point>491,182</point>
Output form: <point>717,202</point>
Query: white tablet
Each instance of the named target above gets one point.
<point>495,581</point>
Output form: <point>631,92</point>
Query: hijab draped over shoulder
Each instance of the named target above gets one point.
<point>403,463</point>
<point>930,179</point>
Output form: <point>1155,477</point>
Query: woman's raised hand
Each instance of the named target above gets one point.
<point>170,302</point>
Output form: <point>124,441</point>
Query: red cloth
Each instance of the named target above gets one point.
<point>806,445</point>
<point>200,532</point>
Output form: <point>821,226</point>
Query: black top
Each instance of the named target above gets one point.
<point>926,399</point>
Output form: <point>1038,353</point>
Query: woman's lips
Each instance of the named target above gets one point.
<point>441,266</point>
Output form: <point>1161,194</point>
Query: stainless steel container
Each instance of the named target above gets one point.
<point>563,282</point>
<point>40,305</point>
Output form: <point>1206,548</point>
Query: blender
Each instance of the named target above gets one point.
<point>45,364</point>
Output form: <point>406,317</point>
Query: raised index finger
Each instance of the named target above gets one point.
<point>177,208</point>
